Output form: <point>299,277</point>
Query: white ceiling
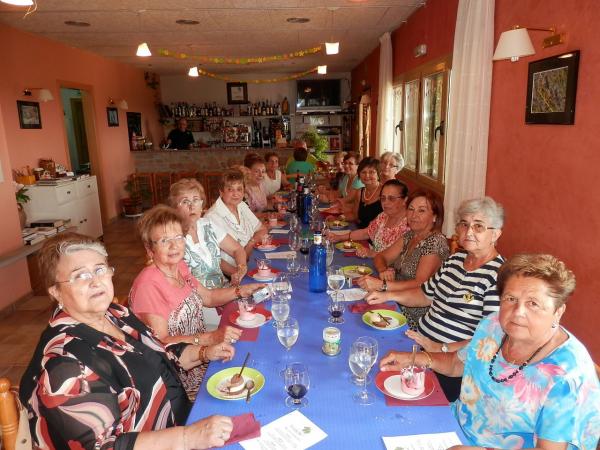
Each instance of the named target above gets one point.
<point>230,28</point>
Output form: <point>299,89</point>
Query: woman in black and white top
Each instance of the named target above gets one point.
<point>463,290</point>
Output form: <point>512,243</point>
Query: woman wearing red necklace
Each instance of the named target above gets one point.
<point>366,202</point>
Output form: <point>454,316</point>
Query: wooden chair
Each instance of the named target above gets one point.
<point>162,184</point>
<point>180,175</point>
<point>211,186</point>
<point>9,415</point>
<point>144,183</point>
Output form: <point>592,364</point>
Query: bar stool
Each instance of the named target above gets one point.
<point>144,185</point>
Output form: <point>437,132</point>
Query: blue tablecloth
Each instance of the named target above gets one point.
<point>331,407</point>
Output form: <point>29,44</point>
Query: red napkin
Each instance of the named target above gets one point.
<point>437,397</point>
<point>279,241</point>
<point>248,334</point>
<point>362,307</point>
<point>245,426</point>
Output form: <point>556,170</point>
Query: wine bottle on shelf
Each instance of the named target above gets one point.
<point>317,269</point>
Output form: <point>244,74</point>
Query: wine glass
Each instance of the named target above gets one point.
<point>287,333</point>
<point>292,266</point>
<point>336,307</point>
<point>246,305</point>
<point>363,356</point>
<point>329,247</point>
<point>305,242</point>
<point>292,203</point>
<point>294,241</point>
<point>335,278</point>
<point>293,222</point>
<point>297,383</point>
<point>281,286</point>
<point>280,309</point>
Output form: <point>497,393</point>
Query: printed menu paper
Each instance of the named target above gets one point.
<point>281,255</point>
<point>278,231</point>
<point>294,431</point>
<point>436,441</point>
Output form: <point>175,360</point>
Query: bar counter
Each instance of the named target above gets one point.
<point>202,159</point>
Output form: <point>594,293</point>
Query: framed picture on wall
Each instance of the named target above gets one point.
<point>112,115</point>
<point>552,89</point>
<point>29,114</point>
<point>237,93</point>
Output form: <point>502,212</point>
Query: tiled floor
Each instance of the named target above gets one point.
<point>20,330</point>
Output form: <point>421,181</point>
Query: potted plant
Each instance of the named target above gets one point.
<point>317,142</point>
<point>133,205</point>
<point>22,198</point>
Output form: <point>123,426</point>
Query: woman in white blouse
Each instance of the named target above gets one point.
<point>273,181</point>
<point>204,243</point>
<point>234,216</point>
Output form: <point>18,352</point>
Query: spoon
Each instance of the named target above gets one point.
<point>412,363</point>
<point>249,387</point>
<point>238,376</point>
<point>386,320</point>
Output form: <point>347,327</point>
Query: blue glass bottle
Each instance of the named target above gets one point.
<point>307,202</point>
<point>300,199</point>
<point>317,269</point>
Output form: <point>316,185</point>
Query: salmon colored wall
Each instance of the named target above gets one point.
<point>33,61</point>
<point>547,175</point>
<point>367,70</point>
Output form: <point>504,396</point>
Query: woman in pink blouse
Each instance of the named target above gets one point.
<point>387,227</point>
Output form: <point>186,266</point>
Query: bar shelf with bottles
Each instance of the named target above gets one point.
<point>269,120</point>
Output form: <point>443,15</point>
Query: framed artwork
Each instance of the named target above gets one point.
<point>29,114</point>
<point>551,90</point>
<point>237,93</point>
<point>112,115</point>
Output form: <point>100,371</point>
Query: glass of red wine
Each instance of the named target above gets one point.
<point>305,243</point>
<point>297,383</point>
<point>336,307</point>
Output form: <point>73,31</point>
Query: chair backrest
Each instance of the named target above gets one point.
<point>181,175</point>
<point>162,185</point>
<point>9,415</point>
<point>143,182</point>
<point>211,182</point>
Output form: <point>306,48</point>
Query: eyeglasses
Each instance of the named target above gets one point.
<point>477,227</point>
<point>390,198</point>
<point>166,241</point>
<point>389,164</point>
<point>196,201</point>
<point>86,277</point>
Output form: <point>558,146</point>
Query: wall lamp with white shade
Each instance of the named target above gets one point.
<point>18,2</point>
<point>44,95</point>
<point>516,43</point>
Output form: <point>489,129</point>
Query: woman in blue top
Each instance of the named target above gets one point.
<point>527,381</point>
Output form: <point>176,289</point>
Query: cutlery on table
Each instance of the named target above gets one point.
<point>249,387</point>
<point>238,376</point>
<point>386,320</point>
<point>412,360</point>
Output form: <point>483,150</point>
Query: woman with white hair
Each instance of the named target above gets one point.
<point>463,291</point>
<point>390,164</point>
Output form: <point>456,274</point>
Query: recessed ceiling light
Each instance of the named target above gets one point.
<point>297,19</point>
<point>75,23</point>
<point>186,22</point>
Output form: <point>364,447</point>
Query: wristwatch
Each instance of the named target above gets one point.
<point>384,286</point>
<point>445,348</point>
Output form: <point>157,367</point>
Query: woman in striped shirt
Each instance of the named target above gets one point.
<point>463,291</point>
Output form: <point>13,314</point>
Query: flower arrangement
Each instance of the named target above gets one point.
<point>20,194</point>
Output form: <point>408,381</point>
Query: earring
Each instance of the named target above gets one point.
<point>150,261</point>
<point>555,324</point>
<point>60,305</point>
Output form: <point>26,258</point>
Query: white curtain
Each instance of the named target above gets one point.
<point>469,105</point>
<point>385,113</point>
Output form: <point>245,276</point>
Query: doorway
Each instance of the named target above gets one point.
<point>72,101</point>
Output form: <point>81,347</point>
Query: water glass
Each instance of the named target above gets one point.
<point>280,310</point>
<point>281,287</point>
<point>363,356</point>
<point>287,332</point>
<point>336,308</point>
<point>292,266</point>
<point>296,383</point>
<point>335,278</point>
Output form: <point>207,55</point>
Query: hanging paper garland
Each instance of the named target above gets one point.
<point>267,80</point>
<point>243,60</point>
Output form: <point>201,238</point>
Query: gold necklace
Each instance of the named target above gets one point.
<point>372,195</point>
<point>176,277</point>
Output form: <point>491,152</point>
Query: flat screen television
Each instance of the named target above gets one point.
<point>318,95</point>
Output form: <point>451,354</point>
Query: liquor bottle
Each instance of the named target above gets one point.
<point>307,199</point>
<point>285,106</point>
<point>317,269</point>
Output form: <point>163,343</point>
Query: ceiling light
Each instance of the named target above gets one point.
<point>332,48</point>
<point>186,22</point>
<point>75,23</point>
<point>143,50</point>
<point>297,19</point>
<point>321,70</point>
<point>193,72</point>
<point>18,2</point>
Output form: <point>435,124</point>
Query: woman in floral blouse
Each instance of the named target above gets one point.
<point>99,378</point>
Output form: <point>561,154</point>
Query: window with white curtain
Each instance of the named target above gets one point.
<point>420,108</point>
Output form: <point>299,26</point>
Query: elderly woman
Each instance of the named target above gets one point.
<point>350,181</point>
<point>416,256</point>
<point>99,377</point>
<point>388,227</point>
<point>273,180</point>
<point>234,216</point>
<point>463,291</point>
<point>366,202</point>
<point>203,241</point>
<point>527,381</point>
<point>255,189</point>
<point>169,299</point>
<point>391,165</point>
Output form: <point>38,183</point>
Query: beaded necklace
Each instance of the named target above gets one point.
<point>520,368</point>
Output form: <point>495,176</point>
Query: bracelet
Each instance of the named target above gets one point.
<point>429,360</point>
<point>196,339</point>
<point>202,353</point>
<point>238,292</point>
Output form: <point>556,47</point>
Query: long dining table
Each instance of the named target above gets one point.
<point>331,407</point>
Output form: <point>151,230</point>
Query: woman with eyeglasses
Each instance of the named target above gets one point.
<point>387,227</point>
<point>391,165</point>
<point>203,241</point>
<point>350,181</point>
<point>413,258</point>
<point>99,377</point>
<point>463,291</point>
<point>169,299</point>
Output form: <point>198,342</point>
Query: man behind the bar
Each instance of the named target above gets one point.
<point>180,138</point>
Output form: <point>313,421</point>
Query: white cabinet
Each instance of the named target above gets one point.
<point>75,200</point>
